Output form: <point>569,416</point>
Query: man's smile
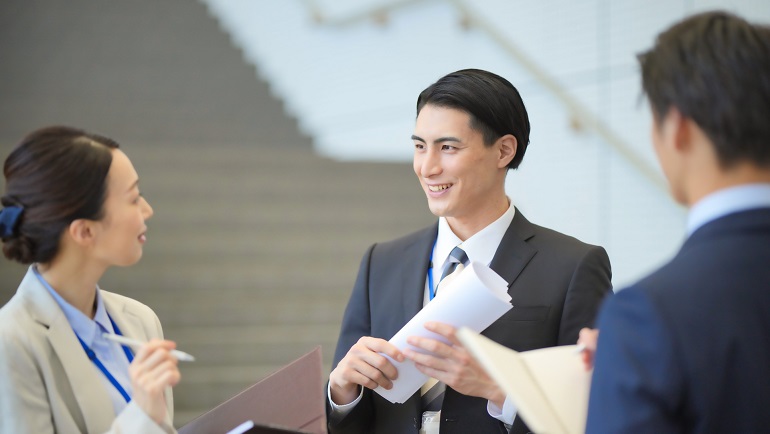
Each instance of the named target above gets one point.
<point>439,187</point>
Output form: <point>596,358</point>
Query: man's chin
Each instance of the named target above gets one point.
<point>439,210</point>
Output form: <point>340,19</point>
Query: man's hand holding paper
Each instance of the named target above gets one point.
<point>364,365</point>
<point>476,298</point>
<point>452,364</point>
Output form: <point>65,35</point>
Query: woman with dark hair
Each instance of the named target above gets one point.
<point>72,209</point>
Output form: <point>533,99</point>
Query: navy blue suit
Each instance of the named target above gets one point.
<point>556,284</point>
<point>687,349</point>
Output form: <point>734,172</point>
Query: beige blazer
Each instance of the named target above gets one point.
<point>47,383</point>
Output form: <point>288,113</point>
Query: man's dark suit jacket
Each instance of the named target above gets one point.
<point>687,349</point>
<point>556,284</point>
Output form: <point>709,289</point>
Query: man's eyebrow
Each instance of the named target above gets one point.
<point>439,140</point>
<point>447,139</point>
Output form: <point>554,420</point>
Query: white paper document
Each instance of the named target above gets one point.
<point>549,387</point>
<point>242,428</point>
<point>475,299</point>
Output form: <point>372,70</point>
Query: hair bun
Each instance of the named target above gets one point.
<point>19,248</point>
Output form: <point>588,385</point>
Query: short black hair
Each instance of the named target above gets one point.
<point>493,103</point>
<point>714,67</point>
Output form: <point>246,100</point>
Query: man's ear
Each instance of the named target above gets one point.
<point>677,129</point>
<point>82,232</point>
<point>508,145</point>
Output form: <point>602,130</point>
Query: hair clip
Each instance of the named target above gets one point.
<point>9,219</point>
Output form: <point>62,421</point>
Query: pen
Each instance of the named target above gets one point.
<point>180,355</point>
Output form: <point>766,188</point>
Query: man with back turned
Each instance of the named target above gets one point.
<point>687,348</point>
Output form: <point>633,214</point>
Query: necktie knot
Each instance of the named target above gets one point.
<point>456,256</point>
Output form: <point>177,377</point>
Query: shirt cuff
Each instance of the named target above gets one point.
<point>340,411</point>
<point>134,419</point>
<point>504,415</point>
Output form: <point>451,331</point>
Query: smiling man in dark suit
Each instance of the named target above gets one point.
<point>471,128</point>
<point>687,348</point>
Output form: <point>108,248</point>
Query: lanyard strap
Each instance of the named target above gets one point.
<point>92,356</point>
<point>98,363</point>
<point>431,289</point>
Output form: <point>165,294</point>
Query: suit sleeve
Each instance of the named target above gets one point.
<point>636,384</point>
<point>590,284</point>
<point>23,397</point>
<point>133,420</point>
<point>356,323</point>
<point>169,391</point>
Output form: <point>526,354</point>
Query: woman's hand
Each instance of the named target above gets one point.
<point>153,369</point>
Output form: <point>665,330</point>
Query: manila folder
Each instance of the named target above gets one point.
<point>549,386</point>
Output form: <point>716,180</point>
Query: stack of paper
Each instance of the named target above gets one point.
<point>475,299</point>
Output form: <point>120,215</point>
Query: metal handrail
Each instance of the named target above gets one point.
<point>579,112</point>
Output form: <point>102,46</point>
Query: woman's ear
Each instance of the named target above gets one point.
<point>81,231</point>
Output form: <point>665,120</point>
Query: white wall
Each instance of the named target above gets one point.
<point>353,89</point>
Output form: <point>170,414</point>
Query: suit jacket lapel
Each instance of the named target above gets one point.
<point>514,253</point>
<point>93,401</point>
<point>128,322</point>
<point>416,261</point>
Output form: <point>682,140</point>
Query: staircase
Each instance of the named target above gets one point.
<point>252,253</point>
<point>255,242</point>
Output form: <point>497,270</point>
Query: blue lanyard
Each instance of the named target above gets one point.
<point>92,356</point>
<point>431,289</point>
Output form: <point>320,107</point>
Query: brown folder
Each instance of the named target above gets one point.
<point>289,400</point>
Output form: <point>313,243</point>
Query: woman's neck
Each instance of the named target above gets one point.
<point>75,281</point>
